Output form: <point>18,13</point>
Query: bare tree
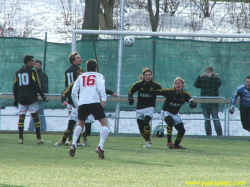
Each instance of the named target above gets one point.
<point>154,18</point>
<point>106,14</point>
<point>204,6</point>
<point>91,17</point>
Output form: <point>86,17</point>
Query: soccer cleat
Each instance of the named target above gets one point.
<point>39,141</point>
<point>85,141</point>
<point>148,144</point>
<point>179,147</point>
<point>68,143</point>
<point>80,144</point>
<point>20,141</point>
<point>59,143</point>
<point>170,145</point>
<point>100,152</point>
<point>72,150</point>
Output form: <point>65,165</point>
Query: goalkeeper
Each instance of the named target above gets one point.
<point>175,98</point>
<point>243,91</point>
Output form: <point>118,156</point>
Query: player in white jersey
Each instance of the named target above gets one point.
<point>90,86</point>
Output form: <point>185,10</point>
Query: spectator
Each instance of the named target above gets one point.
<point>45,89</point>
<point>209,83</point>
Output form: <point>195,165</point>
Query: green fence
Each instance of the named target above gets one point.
<point>168,58</point>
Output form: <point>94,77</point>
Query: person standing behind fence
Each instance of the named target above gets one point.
<point>25,89</point>
<point>145,103</point>
<point>175,98</point>
<point>90,87</point>
<point>45,89</point>
<point>209,83</point>
<point>243,92</point>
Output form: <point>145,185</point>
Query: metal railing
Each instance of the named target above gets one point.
<point>123,98</point>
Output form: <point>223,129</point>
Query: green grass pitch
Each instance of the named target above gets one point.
<point>205,162</point>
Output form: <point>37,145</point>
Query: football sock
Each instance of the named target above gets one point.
<point>147,128</point>
<point>21,125</point>
<point>77,133</point>
<point>103,136</point>
<point>141,128</point>
<point>169,133</point>
<point>37,124</point>
<point>178,139</point>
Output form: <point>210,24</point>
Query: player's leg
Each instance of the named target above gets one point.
<point>215,117</point>
<point>103,136</point>
<point>66,133</point>
<point>148,114</point>
<point>245,117</point>
<point>21,127</point>
<point>33,109</point>
<point>181,131</point>
<point>206,114</point>
<point>77,133</point>
<point>141,128</point>
<point>86,132</point>
<point>170,124</point>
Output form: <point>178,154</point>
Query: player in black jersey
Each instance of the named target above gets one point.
<point>25,89</point>
<point>145,103</point>
<point>71,73</point>
<point>70,76</point>
<point>175,98</point>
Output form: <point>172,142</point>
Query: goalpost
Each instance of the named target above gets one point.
<point>178,58</point>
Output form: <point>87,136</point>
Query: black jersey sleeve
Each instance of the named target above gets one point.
<point>110,92</point>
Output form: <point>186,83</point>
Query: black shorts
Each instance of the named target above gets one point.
<point>95,109</point>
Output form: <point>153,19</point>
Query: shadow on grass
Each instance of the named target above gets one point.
<point>7,185</point>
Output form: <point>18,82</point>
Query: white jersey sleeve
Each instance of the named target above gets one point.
<point>74,93</point>
<point>101,87</point>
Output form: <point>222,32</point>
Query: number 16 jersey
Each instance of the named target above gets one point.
<point>90,86</point>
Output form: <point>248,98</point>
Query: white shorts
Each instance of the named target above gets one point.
<point>176,117</point>
<point>90,119</point>
<point>69,107</point>
<point>74,114</point>
<point>141,113</point>
<point>23,109</point>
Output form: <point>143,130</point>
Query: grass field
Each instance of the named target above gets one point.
<point>126,163</point>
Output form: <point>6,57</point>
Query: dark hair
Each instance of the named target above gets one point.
<point>210,69</point>
<point>72,57</point>
<point>38,61</point>
<point>91,65</point>
<point>248,77</point>
<point>27,58</point>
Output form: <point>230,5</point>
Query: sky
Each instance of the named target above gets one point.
<point>40,16</point>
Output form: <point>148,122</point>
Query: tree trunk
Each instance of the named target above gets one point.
<point>91,18</point>
<point>106,14</point>
<point>154,19</point>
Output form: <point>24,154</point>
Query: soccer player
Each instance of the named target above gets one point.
<point>175,98</point>
<point>25,89</point>
<point>90,86</point>
<point>74,116</point>
<point>70,76</point>
<point>146,103</point>
<point>243,91</point>
<point>71,73</point>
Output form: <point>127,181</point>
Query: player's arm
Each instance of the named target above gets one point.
<point>66,93</point>
<point>164,92</point>
<point>131,91</point>
<point>101,88</point>
<point>233,101</point>
<point>74,93</point>
<point>110,92</point>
